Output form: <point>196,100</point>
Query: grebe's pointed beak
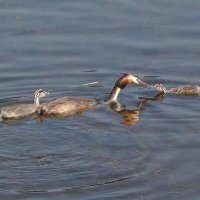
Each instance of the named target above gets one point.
<point>45,93</point>
<point>142,83</point>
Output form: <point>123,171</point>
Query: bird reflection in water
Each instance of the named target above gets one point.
<point>131,117</point>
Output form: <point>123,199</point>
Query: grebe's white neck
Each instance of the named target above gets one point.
<point>114,94</point>
<point>36,99</point>
<point>39,93</point>
<point>121,83</point>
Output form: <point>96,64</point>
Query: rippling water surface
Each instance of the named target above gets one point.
<point>151,151</point>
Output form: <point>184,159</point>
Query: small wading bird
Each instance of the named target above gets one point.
<point>180,90</point>
<point>67,106</point>
<point>22,110</point>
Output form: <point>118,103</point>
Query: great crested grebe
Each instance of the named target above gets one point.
<point>181,90</point>
<point>22,110</point>
<point>67,106</point>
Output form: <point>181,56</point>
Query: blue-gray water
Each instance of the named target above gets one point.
<point>101,154</point>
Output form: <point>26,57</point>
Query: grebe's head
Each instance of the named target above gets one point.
<point>40,93</point>
<point>129,79</point>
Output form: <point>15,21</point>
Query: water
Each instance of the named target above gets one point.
<point>151,152</point>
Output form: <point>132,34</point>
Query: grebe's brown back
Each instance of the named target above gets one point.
<point>22,110</point>
<point>73,105</point>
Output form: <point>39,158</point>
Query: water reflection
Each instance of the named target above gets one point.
<point>18,120</point>
<point>65,115</point>
<point>158,97</point>
<point>131,117</point>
